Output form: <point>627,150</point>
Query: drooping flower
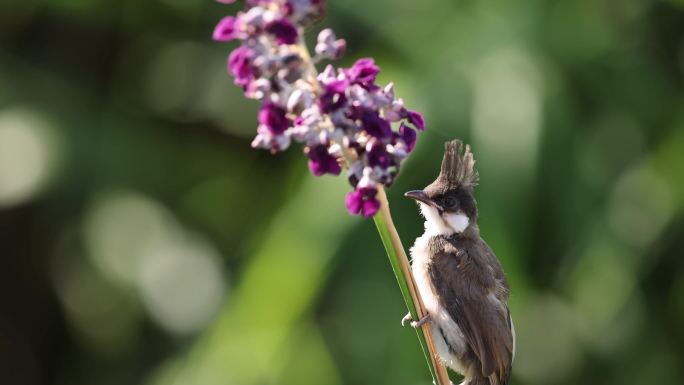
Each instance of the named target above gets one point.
<point>363,201</point>
<point>416,119</point>
<point>321,162</point>
<point>274,118</point>
<point>408,135</point>
<point>341,116</point>
<point>240,65</point>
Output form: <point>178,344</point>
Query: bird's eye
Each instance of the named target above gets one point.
<point>449,201</point>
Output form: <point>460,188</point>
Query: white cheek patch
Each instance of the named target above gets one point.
<point>448,224</point>
<point>457,221</point>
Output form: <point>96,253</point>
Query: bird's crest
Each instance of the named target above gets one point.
<point>458,165</point>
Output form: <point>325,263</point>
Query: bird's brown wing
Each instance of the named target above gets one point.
<point>470,289</point>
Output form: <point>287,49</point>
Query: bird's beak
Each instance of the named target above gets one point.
<point>421,196</point>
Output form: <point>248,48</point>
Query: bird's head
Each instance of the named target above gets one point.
<point>448,204</point>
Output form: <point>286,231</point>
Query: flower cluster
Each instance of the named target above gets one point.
<point>341,116</point>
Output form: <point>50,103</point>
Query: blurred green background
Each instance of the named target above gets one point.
<point>142,240</point>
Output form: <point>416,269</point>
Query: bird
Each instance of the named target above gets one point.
<point>459,277</point>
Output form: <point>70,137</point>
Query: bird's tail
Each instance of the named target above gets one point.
<point>492,380</point>
<point>477,381</point>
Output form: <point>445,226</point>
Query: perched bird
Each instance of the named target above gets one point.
<point>459,278</point>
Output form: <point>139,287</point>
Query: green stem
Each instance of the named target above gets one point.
<point>400,266</point>
<point>403,286</point>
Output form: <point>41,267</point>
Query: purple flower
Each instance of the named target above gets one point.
<point>374,125</point>
<point>378,156</point>
<point>321,162</point>
<point>363,71</point>
<point>416,119</point>
<point>408,135</point>
<point>226,29</point>
<point>273,117</point>
<point>240,65</point>
<point>333,96</point>
<point>283,30</point>
<point>328,46</point>
<point>362,201</point>
<point>266,139</point>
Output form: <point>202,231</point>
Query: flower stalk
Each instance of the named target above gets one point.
<point>407,285</point>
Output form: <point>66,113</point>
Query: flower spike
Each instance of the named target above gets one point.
<point>341,116</point>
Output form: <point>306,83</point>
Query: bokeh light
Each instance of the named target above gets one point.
<point>136,242</point>
<point>28,151</point>
<point>119,228</point>
<point>181,283</point>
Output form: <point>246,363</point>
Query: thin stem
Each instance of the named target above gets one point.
<point>407,285</point>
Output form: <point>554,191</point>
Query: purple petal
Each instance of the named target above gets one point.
<point>225,30</point>
<point>239,64</point>
<point>408,135</point>
<point>416,119</point>
<point>353,202</point>
<point>333,96</point>
<point>379,157</point>
<point>321,162</point>
<point>273,117</point>
<point>370,207</point>
<point>363,71</point>
<point>283,30</point>
<point>375,125</point>
<point>338,86</point>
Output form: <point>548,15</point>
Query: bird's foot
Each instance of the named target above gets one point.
<point>407,318</point>
<point>420,322</point>
<point>415,324</point>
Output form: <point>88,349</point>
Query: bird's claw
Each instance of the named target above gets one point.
<point>415,324</point>
<point>406,318</point>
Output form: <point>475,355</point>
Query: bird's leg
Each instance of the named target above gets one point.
<point>415,324</point>
<point>420,322</point>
